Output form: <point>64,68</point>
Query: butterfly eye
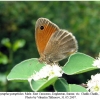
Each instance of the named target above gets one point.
<point>41,27</point>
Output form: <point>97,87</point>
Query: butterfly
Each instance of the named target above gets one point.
<point>53,44</point>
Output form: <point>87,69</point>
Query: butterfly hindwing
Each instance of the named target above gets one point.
<point>61,44</point>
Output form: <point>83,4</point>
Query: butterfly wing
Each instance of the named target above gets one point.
<point>43,30</point>
<point>61,44</point>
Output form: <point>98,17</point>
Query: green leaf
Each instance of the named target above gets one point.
<point>18,44</point>
<point>42,84</point>
<point>6,42</point>
<point>3,58</point>
<point>78,63</point>
<point>62,86</point>
<point>76,88</point>
<point>25,69</point>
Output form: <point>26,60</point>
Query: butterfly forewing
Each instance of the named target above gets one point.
<point>43,30</point>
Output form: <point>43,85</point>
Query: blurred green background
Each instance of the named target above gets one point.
<point>17,42</point>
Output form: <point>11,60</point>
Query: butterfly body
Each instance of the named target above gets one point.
<point>53,43</point>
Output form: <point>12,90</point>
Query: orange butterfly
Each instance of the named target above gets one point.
<point>53,43</point>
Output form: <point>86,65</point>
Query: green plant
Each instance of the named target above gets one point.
<point>8,59</point>
<point>12,47</point>
<point>77,63</point>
